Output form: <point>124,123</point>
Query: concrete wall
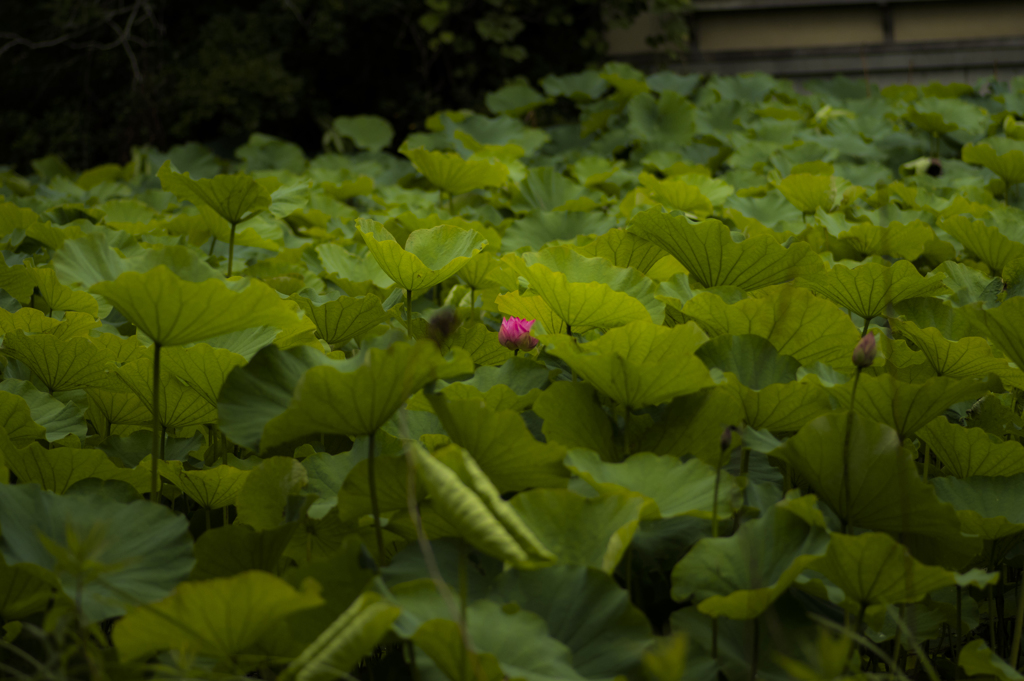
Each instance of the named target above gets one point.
<point>889,41</point>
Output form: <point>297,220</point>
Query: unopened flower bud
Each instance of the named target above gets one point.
<point>515,334</point>
<point>864,353</point>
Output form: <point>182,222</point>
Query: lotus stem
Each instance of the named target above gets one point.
<point>464,602</point>
<point>959,621</point>
<point>212,244</point>
<point>898,642</point>
<point>1018,623</point>
<point>408,312</point>
<point>714,638</point>
<point>568,329</point>
<point>753,653</point>
<point>991,617</point>
<point>154,480</point>
<point>625,436</point>
<point>846,453</point>
<point>231,248</point>
<point>373,498</point>
<point>472,298</point>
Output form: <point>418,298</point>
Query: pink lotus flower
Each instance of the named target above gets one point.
<point>515,334</point>
<point>864,353</point>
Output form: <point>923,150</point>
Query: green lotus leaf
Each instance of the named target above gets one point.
<point>573,417</point>
<point>740,576</point>
<point>584,609</point>
<point>430,255</point>
<point>1007,162</point>
<point>327,473</point>
<point>59,468</point>
<point>25,589</point>
<point>59,364</point>
<point>515,99</point>
<point>580,530</point>
<point>587,292</point>
<point>31,321</point>
<point>341,320</point>
<point>255,393</point>
<point>352,636</point>
<point>624,249</point>
<point>475,272</point>
<point>371,133</point>
<point>799,324</point>
<point>262,501</point>
<point>60,297</point>
<point>868,289</point>
<point>58,418</point>
<point>233,549</point>
<point>970,452</point>
<point>201,367</point>
<point>211,488</point>
<point>539,228</point>
<point>678,194</point>
<point>977,659</point>
<point>356,275</point>
<point>514,386</point>
<point>580,87</point>
<point>18,281</point>
<point>456,175</point>
<point>752,359</point>
<point>16,420</point>
<point>907,407</point>
<point>81,540</point>
<point>108,408</point>
<point>713,258</point>
<point>546,189</point>
<point>675,488</point>
<point>501,445</point>
<point>639,364</point>
<point>968,357</point>
<point>939,115</point>
<point>875,569</point>
<point>234,197</point>
<point>179,405</point>
<point>983,241</point>
<point>505,645</point>
<point>353,496</point>
<point>173,311</point>
<point>809,192</point>
<point>1005,326</point>
<point>886,493</point>
<point>667,121</point>
<point>988,507</point>
<point>474,507</point>
<point>692,425</point>
<point>208,222</point>
<point>359,396</point>
<point>781,407</point>
<point>223,618</point>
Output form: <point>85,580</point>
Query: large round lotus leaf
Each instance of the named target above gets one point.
<point>232,196</point>
<point>713,258</point>
<point>676,488</point>
<point>372,133</point>
<point>798,323</point>
<point>586,610</point>
<point>581,530</point>
<point>639,364</point>
<point>886,492</point>
<point>430,255</point>
<point>173,311</point>
<point>456,175</point>
<point>867,290</point>
<point>983,241</point>
<point>969,452</point>
<point>224,618</point>
<point>1003,156</point>
<point>873,568</point>
<point>754,361</point>
<point>740,576</point>
<point>539,228</point>
<point>107,555</point>
<point>988,507</point>
<point>358,396</point>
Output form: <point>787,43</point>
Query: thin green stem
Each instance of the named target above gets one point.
<point>846,452</point>
<point>1018,623</point>
<point>472,298</point>
<point>959,622</point>
<point>464,602</point>
<point>714,638</point>
<point>408,311</point>
<point>714,498</point>
<point>212,244</point>
<point>992,620</point>
<point>753,654</point>
<point>154,481</point>
<point>451,204</point>
<point>625,436</point>
<point>231,248</point>
<point>374,503</point>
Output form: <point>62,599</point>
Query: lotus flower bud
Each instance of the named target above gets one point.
<point>864,353</point>
<point>515,334</point>
<point>442,325</point>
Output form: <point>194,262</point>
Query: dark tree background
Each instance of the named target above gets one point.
<point>88,79</point>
